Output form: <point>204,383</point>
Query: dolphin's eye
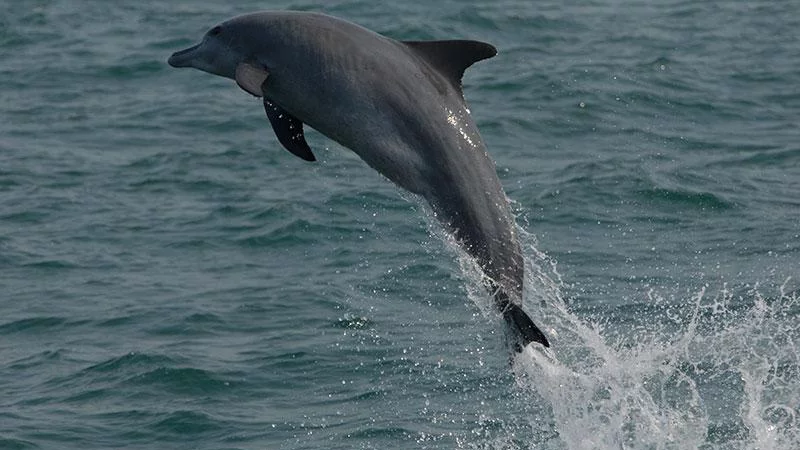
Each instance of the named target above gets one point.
<point>215,31</point>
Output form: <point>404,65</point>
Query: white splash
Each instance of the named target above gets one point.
<point>723,378</point>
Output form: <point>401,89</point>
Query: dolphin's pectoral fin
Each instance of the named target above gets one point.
<point>289,130</point>
<point>452,58</point>
<point>250,77</point>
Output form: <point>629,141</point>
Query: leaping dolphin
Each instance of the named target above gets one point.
<point>398,105</point>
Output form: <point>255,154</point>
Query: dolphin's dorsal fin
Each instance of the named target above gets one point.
<point>452,58</point>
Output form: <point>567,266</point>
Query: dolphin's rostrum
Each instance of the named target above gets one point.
<point>398,105</point>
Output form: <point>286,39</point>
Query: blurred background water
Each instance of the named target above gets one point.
<point>170,277</point>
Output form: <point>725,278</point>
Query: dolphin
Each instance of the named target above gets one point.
<point>399,106</point>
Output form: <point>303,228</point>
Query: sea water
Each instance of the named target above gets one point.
<point>171,277</point>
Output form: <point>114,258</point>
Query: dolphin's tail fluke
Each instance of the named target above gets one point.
<point>523,330</point>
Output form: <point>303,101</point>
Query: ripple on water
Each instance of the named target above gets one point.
<point>33,324</point>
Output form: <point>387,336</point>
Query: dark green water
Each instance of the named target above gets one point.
<point>170,277</point>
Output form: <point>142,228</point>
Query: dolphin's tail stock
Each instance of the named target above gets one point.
<point>522,329</point>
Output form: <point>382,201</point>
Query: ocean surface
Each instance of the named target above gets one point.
<point>172,278</point>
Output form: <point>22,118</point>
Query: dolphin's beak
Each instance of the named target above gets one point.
<point>183,58</point>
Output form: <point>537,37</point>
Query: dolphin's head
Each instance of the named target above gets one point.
<point>218,53</point>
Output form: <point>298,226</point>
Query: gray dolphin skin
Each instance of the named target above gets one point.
<point>399,106</point>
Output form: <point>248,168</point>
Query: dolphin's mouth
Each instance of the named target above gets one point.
<point>183,58</point>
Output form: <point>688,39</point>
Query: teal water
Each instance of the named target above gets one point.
<point>170,277</point>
